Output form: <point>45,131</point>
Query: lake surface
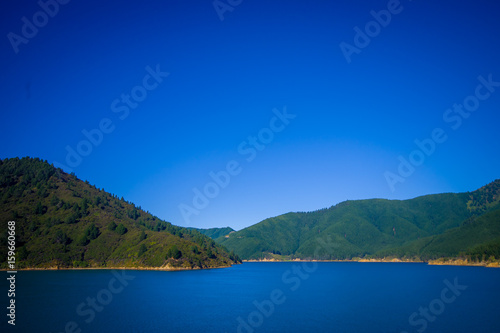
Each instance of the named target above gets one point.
<point>261,297</point>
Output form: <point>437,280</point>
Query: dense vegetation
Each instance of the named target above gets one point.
<point>215,233</point>
<point>463,225</point>
<point>62,221</point>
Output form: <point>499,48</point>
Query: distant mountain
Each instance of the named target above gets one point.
<point>64,222</point>
<point>424,228</point>
<point>215,233</point>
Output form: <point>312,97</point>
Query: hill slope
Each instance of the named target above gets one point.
<point>378,228</point>
<point>474,239</point>
<point>215,233</point>
<point>62,221</point>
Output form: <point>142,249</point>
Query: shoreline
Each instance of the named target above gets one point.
<point>335,260</point>
<point>168,268</point>
<point>141,268</point>
<point>437,262</point>
<point>461,262</point>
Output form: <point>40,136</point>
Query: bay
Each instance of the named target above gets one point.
<point>261,297</point>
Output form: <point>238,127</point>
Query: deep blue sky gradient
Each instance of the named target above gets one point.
<point>352,121</point>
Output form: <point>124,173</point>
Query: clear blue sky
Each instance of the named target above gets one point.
<point>356,111</point>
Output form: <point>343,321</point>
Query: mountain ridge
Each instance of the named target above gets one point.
<point>375,228</point>
<point>64,222</point>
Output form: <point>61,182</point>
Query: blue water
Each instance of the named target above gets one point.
<point>292,297</point>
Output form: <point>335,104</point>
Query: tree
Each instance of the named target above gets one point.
<point>234,257</point>
<point>83,240</point>
<point>62,238</point>
<point>142,249</point>
<point>72,218</point>
<point>65,205</point>
<point>111,226</point>
<point>54,201</point>
<point>42,192</point>
<point>142,236</point>
<point>85,206</point>
<point>210,253</point>
<point>22,253</point>
<point>133,214</point>
<point>39,208</point>
<point>173,252</point>
<point>121,229</point>
<point>32,226</point>
<point>92,232</point>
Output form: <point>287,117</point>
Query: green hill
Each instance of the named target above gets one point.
<point>478,238</point>
<point>427,227</point>
<point>215,233</point>
<point>64,222</point>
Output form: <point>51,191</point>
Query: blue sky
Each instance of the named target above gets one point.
<point>90,66</point>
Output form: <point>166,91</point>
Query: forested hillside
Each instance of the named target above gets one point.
<point>215,233</point>
<point>427,227</point>
<point>62,221</point>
